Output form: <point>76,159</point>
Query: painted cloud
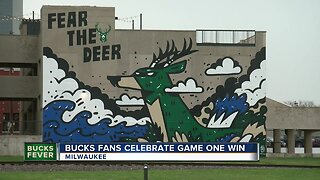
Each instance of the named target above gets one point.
<point>58,87</point>
<point>255,86</point>
<point>226,66</point>
<point>126,101</point>
<point>190,86</point>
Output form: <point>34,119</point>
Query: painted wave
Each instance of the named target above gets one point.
<point>79,130</point>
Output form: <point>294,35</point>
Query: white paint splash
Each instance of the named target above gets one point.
<point>57,87</point>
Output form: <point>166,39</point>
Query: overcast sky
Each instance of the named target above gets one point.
<point>293,32</point>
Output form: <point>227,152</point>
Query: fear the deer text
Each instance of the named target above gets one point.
<point>82,37</point>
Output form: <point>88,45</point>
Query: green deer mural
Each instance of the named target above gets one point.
<point>167,110</point>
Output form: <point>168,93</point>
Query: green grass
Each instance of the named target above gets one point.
<point>302,161</point>
<point>305,161</point>
<point>297,161</point>
<point>11,158</point>
<point>203,174</point>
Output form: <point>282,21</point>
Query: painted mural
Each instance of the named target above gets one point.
<point>233,112</point>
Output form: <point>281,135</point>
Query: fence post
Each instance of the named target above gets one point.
<point>145,170</point>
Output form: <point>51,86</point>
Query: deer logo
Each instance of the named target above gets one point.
<point>167,110</point>
<point>103,34</point>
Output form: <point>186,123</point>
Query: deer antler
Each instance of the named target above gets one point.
<point>98,29</point>
<point>171,54</point>
<point>109,29</point>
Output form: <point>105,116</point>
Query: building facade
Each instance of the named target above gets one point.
<point>9,110</point>
<point>11,12</point>
<point>102,84</point>
<point>83,80</point>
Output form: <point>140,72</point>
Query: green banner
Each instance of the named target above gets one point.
<point>40,152</point>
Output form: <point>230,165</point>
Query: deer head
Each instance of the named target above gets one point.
<point>103,34</point>
<point>153,80</point>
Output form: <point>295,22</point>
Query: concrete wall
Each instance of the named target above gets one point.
<point>22,52</point>
<point>19,87</point>
<point>281,116</point>
<point>20,49</point>
<point>13,145</point>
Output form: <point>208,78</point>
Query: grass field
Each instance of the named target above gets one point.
<point>299,161</point>
<point>203,174</point>
<point>11,158</point>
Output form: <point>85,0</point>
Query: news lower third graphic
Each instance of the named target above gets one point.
<point>142,151</point>
<point>40,152</point>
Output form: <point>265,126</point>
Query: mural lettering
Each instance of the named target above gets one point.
<point>98,53</point>
<point>74,19</point>
<point>81,37</point>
